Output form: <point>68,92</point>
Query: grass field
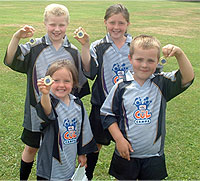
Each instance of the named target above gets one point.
<point>172,22</point>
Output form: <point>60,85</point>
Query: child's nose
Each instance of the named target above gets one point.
<point>116,26</point>
<point>57,28</point>
<point>61,83</point>
<point>144,64</point>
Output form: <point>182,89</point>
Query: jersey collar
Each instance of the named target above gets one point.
<point>65,43</point>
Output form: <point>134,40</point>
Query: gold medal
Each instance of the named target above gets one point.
<point>163,60</point>
<point>32,41</point>
<point>48,80</point>
<point>80,34</point>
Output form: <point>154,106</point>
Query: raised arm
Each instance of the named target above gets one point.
<point>45,98</point>
<point>85,48</point>
<point>25,32</point>
<point>184,63</point>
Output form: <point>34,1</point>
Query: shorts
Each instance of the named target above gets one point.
<point>101,136</point>
<point>30,138</point>
<point>152,168</point>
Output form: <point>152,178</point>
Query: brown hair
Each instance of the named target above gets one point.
<point>144,42</point>
<point>116,9</point>
<point>59,64</point>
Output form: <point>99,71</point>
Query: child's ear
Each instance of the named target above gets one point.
<point>129,57</point>
<point>158,60</point>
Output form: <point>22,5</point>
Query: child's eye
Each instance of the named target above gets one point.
<point>121,23</point>
<point>139,59</point>
<point>53,25</point>
<point>151,60</point>
<point>112,22</point>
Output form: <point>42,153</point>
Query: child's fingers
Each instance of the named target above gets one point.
<point>40,81</point>
<point>76,31</point>
<point>29,28</point>
<point>79,29</point>
<point>130,148</point>
<point>166,50</point>
<point>41,84</point>
<point>126,155</point>
<point>28,31</point>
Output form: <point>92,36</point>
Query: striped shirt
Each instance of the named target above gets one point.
<point>33,59</point>
<point>70,128</point>
<point>109,64</point>
<point>140,111</point>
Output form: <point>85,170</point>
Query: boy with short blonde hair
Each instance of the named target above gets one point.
<point>134,111</point>
<point>56,10</point>
<point>33,59</point>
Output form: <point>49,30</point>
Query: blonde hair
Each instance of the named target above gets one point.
<point>144,42</point>
<point>59,64</point>
<point>116,9</point>
<point>56,10</point>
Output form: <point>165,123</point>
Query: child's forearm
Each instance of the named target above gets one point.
<point>123,146</point>
<point>46,103</point>
<point>12,48</point>
<point>185,68</point>
<point>85,55</point>
<point>115,131</point>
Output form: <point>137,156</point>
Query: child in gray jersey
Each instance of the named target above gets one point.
<point>134,110</point>
<point>65,128</point>
<point>33,58</point>
<point>106,61</point>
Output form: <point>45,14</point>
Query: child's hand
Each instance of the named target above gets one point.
<point>124,148</point>
<point>25,32</point>
<point>44,89</point>
<point>171,50</point>
<point>82,159</point>
<point>84,40</point>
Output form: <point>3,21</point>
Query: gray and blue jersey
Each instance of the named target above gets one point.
<point>140,111</point>
<point>75,137</point>
<point>108,64</point>
<point>33,59</point>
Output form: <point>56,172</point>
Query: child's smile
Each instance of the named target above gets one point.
<point>144,63</point>
<point>63,84</point>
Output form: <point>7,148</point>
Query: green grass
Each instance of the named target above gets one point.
<point>172,22</point>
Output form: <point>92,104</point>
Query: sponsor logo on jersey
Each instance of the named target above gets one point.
<point>70,135</point>
<point>120,71</point>
<point>142,115</point>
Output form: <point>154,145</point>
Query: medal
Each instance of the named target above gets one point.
<point>80,34</point>
<point>163,60</point>
<point>48,80</point>
<point>32,41</point>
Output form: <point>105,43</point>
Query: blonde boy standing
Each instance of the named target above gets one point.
<point>33,59</point>
<point>134,111</point>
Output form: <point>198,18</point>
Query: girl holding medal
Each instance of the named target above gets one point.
<point>106,61</point>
